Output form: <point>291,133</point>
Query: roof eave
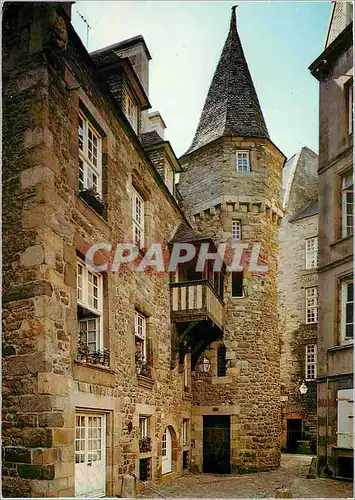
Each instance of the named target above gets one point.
<point>320,66</point>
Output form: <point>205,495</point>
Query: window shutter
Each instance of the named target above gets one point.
<point>345,418</point>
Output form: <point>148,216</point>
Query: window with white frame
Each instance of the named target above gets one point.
<point>236,230</point>
<point>143,427</point>
<point>243,162</point>
<point>169,177</point>
<point>140,333</point>
<point>185,428</point>
<point>311,362</point>
<point>347,202</point>
<point>347,311</point>
<point>90,302</point>
<point>312,305</point>
<point>312,252</point>
<point>138,219</point>
<point>90,156</point>
<point>132,112</point>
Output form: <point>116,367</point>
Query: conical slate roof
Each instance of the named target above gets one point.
<point>232,107</point>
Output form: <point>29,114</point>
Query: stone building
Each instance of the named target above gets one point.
<point>114,372</point>
<point>297,293</point>
<point>231,189</point>
<point>334,71</point>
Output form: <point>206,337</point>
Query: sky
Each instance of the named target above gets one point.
<point>280,40</point>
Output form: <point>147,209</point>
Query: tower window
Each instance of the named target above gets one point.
<point>221,361</point>
<point>237,230</point>
<point>243,162</point>
<point>237,284</point>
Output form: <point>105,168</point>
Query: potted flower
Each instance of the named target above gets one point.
<point>145,368</point>
<point>97,357</point>
<point>93,199</point>
<point>145,444</point>
<point>83,351</point>
<point>106,357</point>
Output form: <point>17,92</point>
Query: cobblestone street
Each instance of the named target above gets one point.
<point>291,475</point>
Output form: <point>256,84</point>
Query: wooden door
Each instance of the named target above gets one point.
<point>216,444</point>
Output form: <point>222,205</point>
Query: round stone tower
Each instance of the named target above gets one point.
<point>231,188</point>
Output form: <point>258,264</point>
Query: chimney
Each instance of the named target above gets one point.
<point>156,122</point>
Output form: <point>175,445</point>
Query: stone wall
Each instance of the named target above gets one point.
<point>214,194</point>
<point>46,225</point>
<point>295,334</point>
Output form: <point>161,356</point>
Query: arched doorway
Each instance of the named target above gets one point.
<point>167,452</point>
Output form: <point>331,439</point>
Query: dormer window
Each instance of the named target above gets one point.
<point>131,110</point>
<point>243,162</point>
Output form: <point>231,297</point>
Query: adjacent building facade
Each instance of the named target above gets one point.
<point>334,70</point>
<point>298,302</point>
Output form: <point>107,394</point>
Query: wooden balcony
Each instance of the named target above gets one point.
<point>196,301</point>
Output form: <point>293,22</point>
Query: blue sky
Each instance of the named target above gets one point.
<point>185,39</point>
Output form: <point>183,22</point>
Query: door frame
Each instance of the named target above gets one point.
<point>107,445</point>
<point>204,427</point>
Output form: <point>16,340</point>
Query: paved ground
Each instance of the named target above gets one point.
<point>291,475</point>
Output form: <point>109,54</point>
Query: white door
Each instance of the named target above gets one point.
<point>90,470</point>
<point>345,400</point>
<point>166,452</point>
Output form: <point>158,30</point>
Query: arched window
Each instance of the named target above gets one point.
<point>221,361</point>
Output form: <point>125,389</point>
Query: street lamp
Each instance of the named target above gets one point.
<point>303,388</point>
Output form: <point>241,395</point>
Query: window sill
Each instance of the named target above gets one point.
<point>90,214</point>
<point>94,374</point>
<point>343,238</point>
<point>145,454</point>
<point>341,347</point>
<point>96,366</point>
<point>145,382</point>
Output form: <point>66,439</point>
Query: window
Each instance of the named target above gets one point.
<point>143,427</point>
<point>311,253</point>
<point>347,311</point>
<point>169,178</point>
<point>237,284</point>
<point>236,230</point>
<point>345,399</point>
<point>221,361</point>
<point>140,337</point>
<point>144,469</point>
<point>347,202</point>
<point>90,307</point>
<point>185,428</point>
<point>243,164</point>
<point>138,219</point>
<point>311,305</point>
<point>132,112</point>
<point>90,162</point>
<point>185,459</point>
<point>311,362</point>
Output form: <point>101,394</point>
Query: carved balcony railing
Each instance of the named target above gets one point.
<point>196,301</point>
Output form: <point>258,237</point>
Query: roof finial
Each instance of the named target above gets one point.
<point>234,17</point>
